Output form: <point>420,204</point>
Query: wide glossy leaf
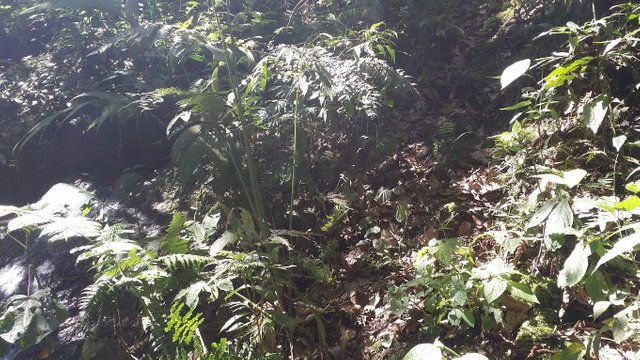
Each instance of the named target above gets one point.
<point>26,320</point>
<point>493,288</point>
<point>574,351</point>
<point>569,178</point>
<point>522,291</point>
<point>542,213</point>
<point>424,352</point>
<point>514,71</point>
<point>575,266</point>
<point>622,246</point>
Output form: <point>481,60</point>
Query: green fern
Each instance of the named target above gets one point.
<point>183,327</point>
<point>185,261</point>
<point>172,243</point>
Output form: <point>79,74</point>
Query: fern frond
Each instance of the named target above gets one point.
<point>171,243</point>
<point>185,261</point>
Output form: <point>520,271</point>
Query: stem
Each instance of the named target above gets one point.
<point>295,158</point>
<point>244,130</point>
<point>16,240</point>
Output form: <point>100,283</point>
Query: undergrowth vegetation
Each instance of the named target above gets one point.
<point>318,202</point>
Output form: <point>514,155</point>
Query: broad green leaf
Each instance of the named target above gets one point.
<point>505,239</point>
<point>621,328</point>
<point>228,237</point>
<point>191,294</point>
<point>522,292</point>
<point>444,249</point>
<point>562,74</point>
<point>456,315</point>
<point>610,45</point>
<point>517,106</point>
<point>618,142</point>
<point>542,213</point>
<point>622,246</point>
<point>26,320</point>
<point>424,352</point>
<point>493,288</point>
<point>629,204</point>
<point>595,112</point>
<point>596,286</point>
<point>634,187</point>
<point>575,266</point>
<point>514,71</point>
<point>599,308</point>
<point>569,178</point>
<point>560,219</point>
<point>574,351</point>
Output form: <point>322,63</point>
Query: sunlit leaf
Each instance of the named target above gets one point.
<point>622,246</point>
<point>522,291</point>
<point>575,267</point>
<point>424,352</point>
<point>574,351</point>
<point>594,113</point>
<point>619,141</point>
<point>599,308</point>
<point>560,219</point>
<point>514,71</point>
<point>494,288</point>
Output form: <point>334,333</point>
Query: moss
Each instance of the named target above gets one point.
<point>534,331</point>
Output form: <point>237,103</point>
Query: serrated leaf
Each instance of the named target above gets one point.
<point>514,71</point>
<point>575,266</point>
<point>522,291</point>
<point>424,352</point>
<point>622,246</point>
<point>494,288</point>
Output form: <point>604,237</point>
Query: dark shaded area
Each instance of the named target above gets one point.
<point>63,152</point>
